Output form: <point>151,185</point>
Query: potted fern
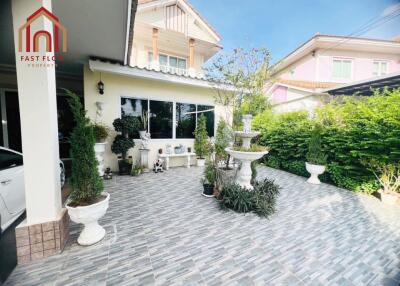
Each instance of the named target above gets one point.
<point>126,126</point>
<point>201,145</point>
<point>316,159</point>
<point>100,134</point>
<point>87,202</point>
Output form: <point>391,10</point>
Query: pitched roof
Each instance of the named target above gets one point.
<point>140,2</point>
<point>307,84</point>
<point>324,42</point>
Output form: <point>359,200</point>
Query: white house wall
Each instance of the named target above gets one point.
<point>117,86</point>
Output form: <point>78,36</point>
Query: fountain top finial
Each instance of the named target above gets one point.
<point>247,123</point>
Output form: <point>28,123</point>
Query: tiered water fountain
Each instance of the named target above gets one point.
<point>243,177</point>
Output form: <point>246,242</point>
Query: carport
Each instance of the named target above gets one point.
<point>100,28</point>
<point>367,87</point>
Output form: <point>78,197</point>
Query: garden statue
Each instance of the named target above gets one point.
<point>145,137</point>
<point>158,166</point>
<point>247,123</point>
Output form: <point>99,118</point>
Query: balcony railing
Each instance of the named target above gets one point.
<point>175,70</point>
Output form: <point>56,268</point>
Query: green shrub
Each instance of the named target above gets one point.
<point>353,130</point>
<point>261,200</point>
<point>100,132</point>
<point>86,183</point>
<point>315,155</point>
<point>210,173</point>
<point>128,127</point>
<point>201,146</point>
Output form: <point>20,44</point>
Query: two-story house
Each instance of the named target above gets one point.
<point>171,43</point>
<point>323,62</point>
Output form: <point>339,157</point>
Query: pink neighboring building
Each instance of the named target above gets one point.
<point>300,79</point>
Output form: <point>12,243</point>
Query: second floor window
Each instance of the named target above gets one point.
<point>379,68</point>
<point>170,61</point>
<point>342,69</point>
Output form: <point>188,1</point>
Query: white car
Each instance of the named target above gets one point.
<point>12,190</point>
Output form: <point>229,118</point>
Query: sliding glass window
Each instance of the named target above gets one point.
<point>134,107</point>
<point>208,112</point>
<point>161,119</point>
<point>185,120</point>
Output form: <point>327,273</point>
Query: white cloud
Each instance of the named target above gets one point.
<point>390,9</point>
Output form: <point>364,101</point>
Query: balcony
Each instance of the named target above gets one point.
<point>176,71</point>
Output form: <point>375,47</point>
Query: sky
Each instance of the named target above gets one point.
<point>283,25</point>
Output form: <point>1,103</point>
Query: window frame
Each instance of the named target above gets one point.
<point>150,55</point>
<point>341,59</point>
<point>380,62</point>
<point>174,102</point>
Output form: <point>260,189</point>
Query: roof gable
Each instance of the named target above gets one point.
<point>197,25</point>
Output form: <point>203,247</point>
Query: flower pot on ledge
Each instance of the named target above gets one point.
<point>89,216</point>
<point>315,171</point>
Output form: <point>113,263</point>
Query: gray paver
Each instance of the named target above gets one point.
<point>161,231</point>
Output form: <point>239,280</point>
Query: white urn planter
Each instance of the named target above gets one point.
<point>201,162</point>
<point>315,171</point>
<point>100,149</point>
<point>88,216</point>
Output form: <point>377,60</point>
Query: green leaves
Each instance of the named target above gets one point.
<point>85,180</point>
<point>261,200</point>
<point>353,129</point>
<point>201,144</point>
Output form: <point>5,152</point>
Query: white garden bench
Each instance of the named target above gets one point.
<point>166,158</point>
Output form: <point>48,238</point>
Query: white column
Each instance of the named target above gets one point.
<point>38,109</point>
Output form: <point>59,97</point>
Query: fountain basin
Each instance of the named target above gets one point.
<point>246,137</point>
<point>244,174</point>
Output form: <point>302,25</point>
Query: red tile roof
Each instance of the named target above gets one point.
<point>307,84</point>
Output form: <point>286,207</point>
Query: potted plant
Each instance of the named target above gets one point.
<point>87,202</point>
<point>100,134</point>
<point>316,159</point>
<point>388,176</point>
<point>210,177</point>
<point>136,171</point>
<point>201,146</point>
<point>144,119</point>
<point>223,139</point>
<point>126,126</point>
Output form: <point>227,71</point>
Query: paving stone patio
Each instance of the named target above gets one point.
<point>161,231</point>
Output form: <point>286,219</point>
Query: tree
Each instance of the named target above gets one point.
<point>201,145</point>
<point>86,184</point>
<point>223,139</point>
<point>239,78</point>
<point>127,126</point>
<point>315,154</point>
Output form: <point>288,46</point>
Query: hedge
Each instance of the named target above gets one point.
<point>355,129</point>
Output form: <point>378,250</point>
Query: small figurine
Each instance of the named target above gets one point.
<point>108,174</point>
<point>168,149</point>
<point>158,166</point>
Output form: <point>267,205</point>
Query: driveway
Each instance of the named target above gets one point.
<point>161,231</point>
